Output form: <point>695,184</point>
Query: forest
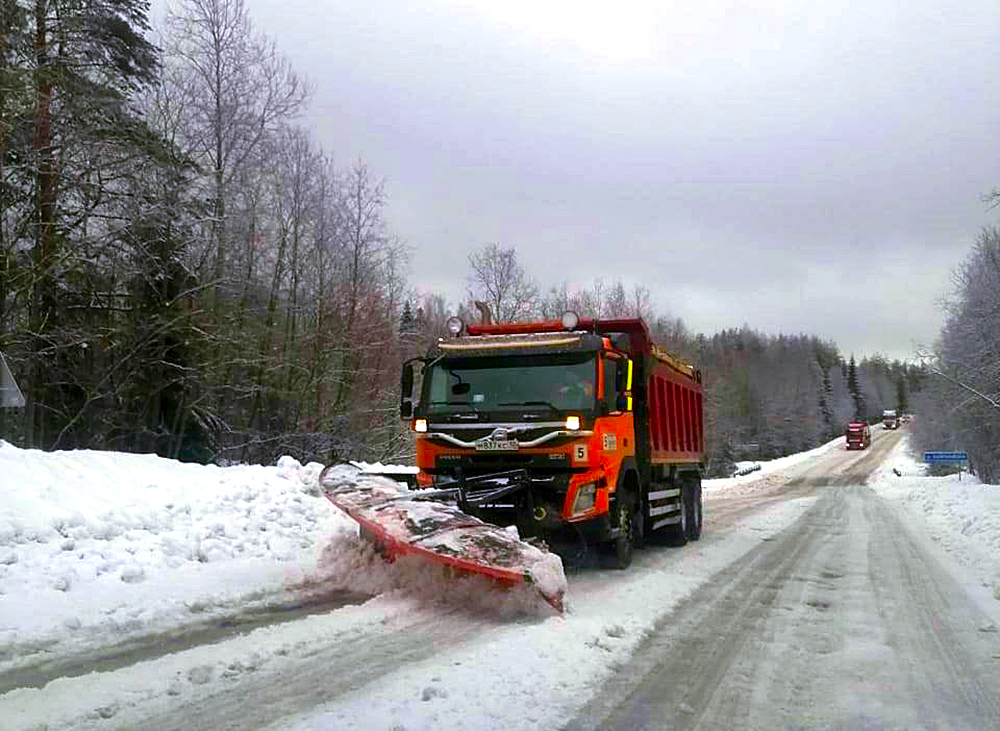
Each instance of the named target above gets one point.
<point>184,270</point>
<point>959,409</point>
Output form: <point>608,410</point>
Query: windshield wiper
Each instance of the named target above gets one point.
<point>529,403</point>
<point>471,412</point>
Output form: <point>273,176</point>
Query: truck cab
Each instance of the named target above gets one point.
<point>858,435</point>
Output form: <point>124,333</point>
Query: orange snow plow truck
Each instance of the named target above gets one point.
<point>578,431</point>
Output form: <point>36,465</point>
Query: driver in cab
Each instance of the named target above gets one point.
<point>573,393</point>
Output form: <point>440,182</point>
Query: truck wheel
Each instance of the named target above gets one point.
<point>640,525</point>
<point>678,532</point>
<point>694,521</point>
<point>623,547</point>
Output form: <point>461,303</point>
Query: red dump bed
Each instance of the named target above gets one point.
<point>676,428</point>
<point>673,413</point>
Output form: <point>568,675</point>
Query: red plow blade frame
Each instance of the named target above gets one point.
<point>403,522</point>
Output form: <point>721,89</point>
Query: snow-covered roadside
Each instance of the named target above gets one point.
<point>769,474</point>
<point>959,515</point>
<point>97,547</point>
<point>775,465</point>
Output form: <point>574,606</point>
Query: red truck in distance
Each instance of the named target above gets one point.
<point>858,435</point>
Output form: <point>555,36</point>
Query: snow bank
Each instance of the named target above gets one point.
<point>99,548</point>
<point>961,515</point>
<point>103,544</point>
<point>769,474</point>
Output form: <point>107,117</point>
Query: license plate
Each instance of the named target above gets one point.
<point>496,445</point>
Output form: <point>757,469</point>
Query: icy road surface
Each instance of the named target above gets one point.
<point>843,621</point>
<point>811,602</point>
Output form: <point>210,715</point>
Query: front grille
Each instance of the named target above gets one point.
<point>480,464</point>
<point>472,434</point>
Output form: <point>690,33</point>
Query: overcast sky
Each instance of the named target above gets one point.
<point>795,166</point>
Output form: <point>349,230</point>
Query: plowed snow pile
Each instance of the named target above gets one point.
<point>960,514</point>
<point>100,547</point>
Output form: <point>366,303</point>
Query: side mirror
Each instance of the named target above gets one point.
<point>406,392</point>
<point>407,383</point>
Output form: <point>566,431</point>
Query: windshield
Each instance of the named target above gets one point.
<point>555,383</point>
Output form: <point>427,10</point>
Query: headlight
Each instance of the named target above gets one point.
<point>572,423</point>
<point>420,425</point>
<point>586,496</point>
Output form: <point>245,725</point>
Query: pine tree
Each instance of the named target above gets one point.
<point>901,396</point>
<point>407,323</point>
<point>825,408</point>
<point>855,390</point>
<point>67,140</point>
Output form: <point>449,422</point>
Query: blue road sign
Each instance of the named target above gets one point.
<point>946,457</point>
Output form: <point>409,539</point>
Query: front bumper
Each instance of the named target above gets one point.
<point>536,504</point>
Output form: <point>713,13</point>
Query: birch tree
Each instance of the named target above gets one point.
<point>959,410</point>
<point>237,90</point>
<point>498,279</point>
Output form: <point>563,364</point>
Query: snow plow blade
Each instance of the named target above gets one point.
<point>410,522</point>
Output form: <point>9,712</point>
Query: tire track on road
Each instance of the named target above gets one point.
<point>152,646</point>
<point>842,621</point>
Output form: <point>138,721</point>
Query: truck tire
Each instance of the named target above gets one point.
<point>622,548</point>
<point>694,507</point>
<point>677,533</point>
<point>640,524</point>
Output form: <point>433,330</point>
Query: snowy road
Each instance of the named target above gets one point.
<point>323,670</point>
<point>842,621</point>
<point>809,603</point>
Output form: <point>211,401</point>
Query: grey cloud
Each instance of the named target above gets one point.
<point>731,159</point>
